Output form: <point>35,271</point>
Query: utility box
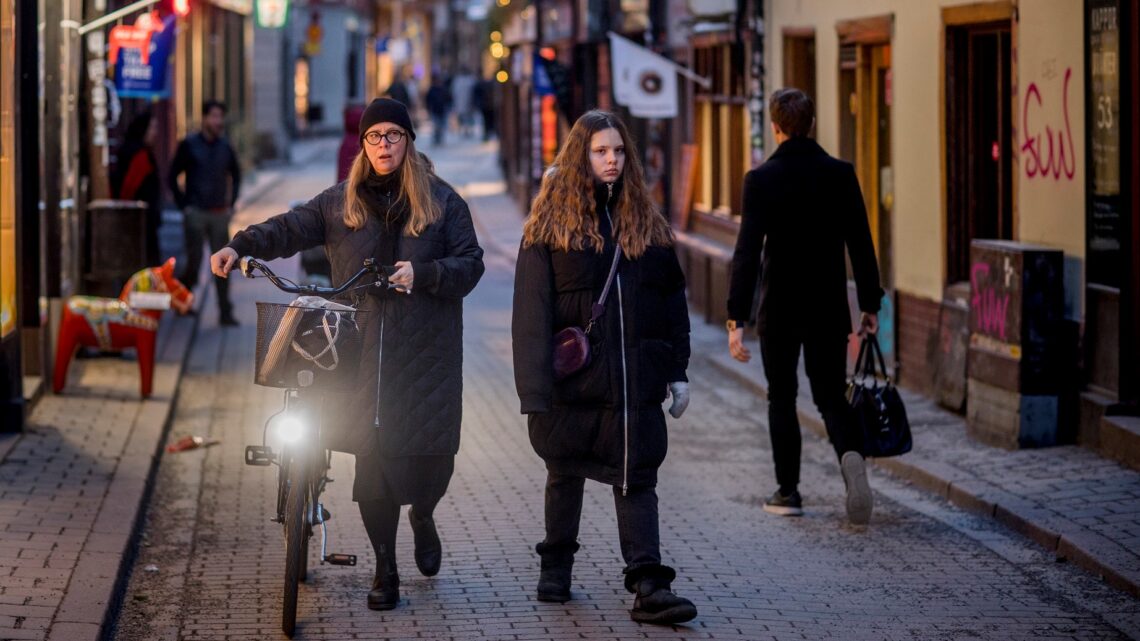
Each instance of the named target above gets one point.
<point>1016,308</point>
<point>116,245</point>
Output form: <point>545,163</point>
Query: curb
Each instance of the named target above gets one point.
<point>1066,540</point>
<point>94,594</point>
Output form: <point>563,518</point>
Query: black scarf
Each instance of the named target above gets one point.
<point>384,200</point>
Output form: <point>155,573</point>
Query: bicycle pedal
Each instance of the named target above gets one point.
<point>258,455</point>
<point>341,559</point>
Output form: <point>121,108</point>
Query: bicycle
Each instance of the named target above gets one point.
<point>303,462</point>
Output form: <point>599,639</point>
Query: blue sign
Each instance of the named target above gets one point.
<point>135,78</point>
<point>542,84</point>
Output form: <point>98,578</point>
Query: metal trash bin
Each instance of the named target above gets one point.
<point>115,247</point>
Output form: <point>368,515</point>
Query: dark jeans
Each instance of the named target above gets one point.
<point>636,517</point>
<point>381,520</point>
<point>199,226</point>
<point>825,359</point>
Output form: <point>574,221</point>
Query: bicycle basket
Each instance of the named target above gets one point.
<point>308,347</point>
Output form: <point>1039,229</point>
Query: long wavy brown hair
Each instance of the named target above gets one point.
<point>563,213</point>
<point>415,186</point>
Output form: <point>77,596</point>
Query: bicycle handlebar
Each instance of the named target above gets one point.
<point>249,265</point>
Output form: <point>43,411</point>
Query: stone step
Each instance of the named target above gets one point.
<point>1120,439</point>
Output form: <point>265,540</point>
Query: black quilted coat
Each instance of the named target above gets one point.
<point>413,346</point>
<point>604,422</point>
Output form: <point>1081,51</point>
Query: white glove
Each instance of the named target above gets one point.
<point>680,393</point>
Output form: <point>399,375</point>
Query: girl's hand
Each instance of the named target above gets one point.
<point>404,276</point>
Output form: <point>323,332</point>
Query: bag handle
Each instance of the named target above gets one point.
<point>600,306</point>
<point>875,352</point>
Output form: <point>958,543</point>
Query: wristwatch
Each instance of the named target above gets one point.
<point>731,325</point>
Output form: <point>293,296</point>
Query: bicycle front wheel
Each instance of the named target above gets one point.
<point>296,541</point>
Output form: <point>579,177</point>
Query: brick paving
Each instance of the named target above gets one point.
<point>922,570</point>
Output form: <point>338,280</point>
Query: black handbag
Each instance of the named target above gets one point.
<point>572,344</point>
<point>876,407</point>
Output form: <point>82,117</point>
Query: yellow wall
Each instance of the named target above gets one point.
<point>1049,36</point>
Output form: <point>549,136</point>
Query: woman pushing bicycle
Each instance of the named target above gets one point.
<point>403,421</point>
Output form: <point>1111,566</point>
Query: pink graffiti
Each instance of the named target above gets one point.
<point>1056,160</point>
<point>990,305</point>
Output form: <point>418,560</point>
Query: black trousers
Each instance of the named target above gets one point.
<point>201,226</point>
<point>825,359</point>
<point>638,530</point>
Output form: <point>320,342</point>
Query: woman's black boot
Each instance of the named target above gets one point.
<point>385,592</point>
<point>555,572</point>
<point>429,550</point>
<point>655,601</point>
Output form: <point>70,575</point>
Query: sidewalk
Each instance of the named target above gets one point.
<point>75,483</point>
<point>1077,505</point>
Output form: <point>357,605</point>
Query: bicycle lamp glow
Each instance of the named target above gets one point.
<point>290,429</point>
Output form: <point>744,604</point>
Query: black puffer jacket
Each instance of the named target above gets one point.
<point>417,376</point>
<point>579,425</point>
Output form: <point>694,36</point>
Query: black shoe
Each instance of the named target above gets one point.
<point>554,583</point>
<point>860,502</point>
<point>784,505</point>
<point>385,593</point>
<point>228,320</point>
<point>429,550</point>
<point>655,602</point>
<point>556,571</point>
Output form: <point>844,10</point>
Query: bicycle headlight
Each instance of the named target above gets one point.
<point>290,429</point>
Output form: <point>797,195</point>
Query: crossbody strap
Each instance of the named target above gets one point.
<point>600,306</point>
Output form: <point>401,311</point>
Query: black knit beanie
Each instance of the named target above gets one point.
<point>385,110</point>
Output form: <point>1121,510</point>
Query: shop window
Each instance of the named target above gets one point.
<point>722,129</point>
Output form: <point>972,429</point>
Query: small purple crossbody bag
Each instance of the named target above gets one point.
<point>572,344</point>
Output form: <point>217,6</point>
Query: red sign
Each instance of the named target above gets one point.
<point>136,36</point>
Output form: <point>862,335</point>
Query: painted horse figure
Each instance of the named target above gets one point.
<point>113,324</point>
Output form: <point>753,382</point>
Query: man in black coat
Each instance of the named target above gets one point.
<point>801,208</point>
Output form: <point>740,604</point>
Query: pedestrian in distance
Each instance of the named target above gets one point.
<point>603,422</point>
<point>438,102</point>
<point>213,180</point>
<point>403,423</point>
<point>136,177</point>
<point>801,208</point>
<point>484,97</point>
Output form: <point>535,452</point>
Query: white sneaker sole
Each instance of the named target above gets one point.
<point>860,502</point>
<point>783,510</point>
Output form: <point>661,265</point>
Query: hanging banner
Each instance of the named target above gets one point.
<point>140,56</point>
<point>643,81</point>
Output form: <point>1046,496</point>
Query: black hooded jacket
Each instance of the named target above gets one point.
<point>605,421</point>
<point>409,398</point>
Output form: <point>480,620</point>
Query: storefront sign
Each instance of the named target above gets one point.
<point>272,14</point>
<point>140,56</point>
<point>1105,222</point>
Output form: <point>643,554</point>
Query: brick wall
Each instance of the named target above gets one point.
<point>917,329</point>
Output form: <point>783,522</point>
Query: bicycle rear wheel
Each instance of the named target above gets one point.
<point>296,541</point>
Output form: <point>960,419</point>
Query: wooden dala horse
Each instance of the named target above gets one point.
<point>112,324</point>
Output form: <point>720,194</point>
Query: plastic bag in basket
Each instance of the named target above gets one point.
<point>311,329</point>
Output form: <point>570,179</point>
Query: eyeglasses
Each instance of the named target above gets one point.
<point>393,136</point>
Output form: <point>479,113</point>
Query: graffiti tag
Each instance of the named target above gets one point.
<point>989,303</point>
<point>1049,152</point>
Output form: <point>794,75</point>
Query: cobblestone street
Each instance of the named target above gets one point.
<point>210,563</point>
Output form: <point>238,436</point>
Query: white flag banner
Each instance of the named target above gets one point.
<point>644,82</point>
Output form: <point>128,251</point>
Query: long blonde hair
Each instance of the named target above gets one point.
<point>562,214</point>
<point>415,186</point>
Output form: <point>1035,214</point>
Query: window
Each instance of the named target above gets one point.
<point>722,129</point>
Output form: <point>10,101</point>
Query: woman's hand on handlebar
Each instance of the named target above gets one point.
<point>223,261</point>
<point>403,278</point>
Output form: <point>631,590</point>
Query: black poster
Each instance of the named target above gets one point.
<point>1105,221</point>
